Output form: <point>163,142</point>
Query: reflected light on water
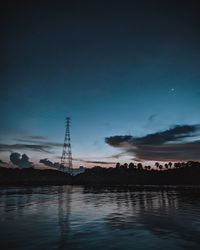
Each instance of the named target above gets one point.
<point>69,217</point>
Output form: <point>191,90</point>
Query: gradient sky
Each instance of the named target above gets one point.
<point>117,68</point>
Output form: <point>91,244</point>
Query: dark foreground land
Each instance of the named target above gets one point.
<point>188,175</point>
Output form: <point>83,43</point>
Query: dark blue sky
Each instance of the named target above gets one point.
<point>116,68</point>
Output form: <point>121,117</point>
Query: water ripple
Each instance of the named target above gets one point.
<point>68,217</point>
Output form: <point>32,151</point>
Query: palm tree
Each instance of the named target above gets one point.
<point>157,164</point>
<point>170,164</point>
<point>149,167</point>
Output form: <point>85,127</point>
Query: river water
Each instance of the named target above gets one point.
<point>74,217</point>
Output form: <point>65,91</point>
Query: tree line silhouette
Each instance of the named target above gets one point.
<point>157,165</point>
<point>177,173</point>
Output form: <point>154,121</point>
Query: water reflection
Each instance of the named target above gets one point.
<point>64,203</point>
<point>166,214</point>
<point>66,217</point>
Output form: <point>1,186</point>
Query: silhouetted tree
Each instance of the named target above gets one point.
<point>166,166</point>
<point>140,166</point>
<point>117,165</point>
<point>170,164</point>
<point>183,164</point>
<point>157,164</point>
<point>131,165</point>
<point>125,165</point>
<point>149,167</point>
<point>177,164</point>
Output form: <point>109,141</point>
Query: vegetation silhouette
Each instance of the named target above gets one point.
<point>32,176</point>
<point>178,173</point>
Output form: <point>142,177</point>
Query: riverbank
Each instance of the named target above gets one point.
<point>101,177</point>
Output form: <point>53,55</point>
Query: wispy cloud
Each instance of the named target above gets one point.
<point>151,118</point>
<point>3,162</point>
<point>34,143</point>
<point>34,147</point>
<point>92,161</point>
<point>42,140</point>
<point>35,137</point>
<point>46,143</point>
<point>168,145</point>
<point>96,162</point>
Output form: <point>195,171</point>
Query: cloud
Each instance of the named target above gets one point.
<point>98,162</point>
<point>39,140</point>
<point>3,162</point>
<point>35,137</point>
<point>34,147</point>
<point>173,134</point>
<point>20,161</point>
<point>168,145</point>
<point>46,162</point>
<point>92,161</point>
<point>54,144</point>
<point>42,142</point>
<point>118,140</point>
<point>151,118</point>
<point>34,143</point>
<point>49,163</point>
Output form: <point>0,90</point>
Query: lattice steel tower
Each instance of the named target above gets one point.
<point>66,159</point>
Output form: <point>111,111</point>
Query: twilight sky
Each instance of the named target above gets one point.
<point>127,74</point>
